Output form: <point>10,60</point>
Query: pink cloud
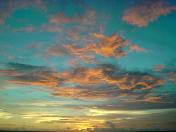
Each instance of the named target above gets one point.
<point>136,48</point>
<point>142,14</point>
<point>89,17</point>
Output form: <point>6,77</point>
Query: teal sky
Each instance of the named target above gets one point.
<point>87,65</point>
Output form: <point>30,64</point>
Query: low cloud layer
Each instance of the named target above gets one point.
<point>101,82</point>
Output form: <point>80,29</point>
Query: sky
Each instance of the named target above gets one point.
<point>87,65</point>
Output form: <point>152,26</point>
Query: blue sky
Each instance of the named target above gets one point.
<point>87,65</point>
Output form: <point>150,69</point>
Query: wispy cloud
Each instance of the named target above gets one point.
<point>101,112</point>
<point>89,17</point>
<point>107,46</point>
<point>153,99</point>
<point>5,115</point>
<point>136,48</point>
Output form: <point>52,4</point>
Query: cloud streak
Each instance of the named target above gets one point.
<point>87,18</point>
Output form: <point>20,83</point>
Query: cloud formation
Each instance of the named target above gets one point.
<point>142,14</point>
<point>95,90</point>
<point>103,81</point>
<point>107,46</point>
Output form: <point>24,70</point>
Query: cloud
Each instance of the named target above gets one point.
<point>168,71</point>
<point>41,104</point>
<point>85,92</point>
<point>44,117</point>
<point>173,77</point>
<point>30,75</point>
<point>5,115</point>
<point>142,14</point>
<point>154,121</point>
<point>94,84</point>
<point>141,81</point>
<point>56,50</point>
<point>153,99</point>
<point>159,67</point>
<point>105,112</point>
<point>73,122</point>
<point>103,81</point>
<point>60,18</point>
<point>28,29</point>
<point>124,80</point>
<point>38,78</point>
<point>87,18</point>
<point>51,28</point>
<point>136,48</point>
<point>113,46</point>
<point>83,53</point>
<point>74,35</point>
<point>109,46</point>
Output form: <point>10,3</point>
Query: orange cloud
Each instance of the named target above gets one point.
<point>103,81</point>
<point>125,81</point>
<point>153,99</point>
<point>109,46</point>
<point>56,50</point>
<point>74,35</point>
<point>136,81</point>
<point>136,48</point>
<point>112,46</point>
<point>85,76</point>
<point>9,73</point>
<point>142,14</point>
<point>82,53</point>
<point>61,18</point>
<point>91,76</point>
<point>89,17</point>
<point>72,92</point>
